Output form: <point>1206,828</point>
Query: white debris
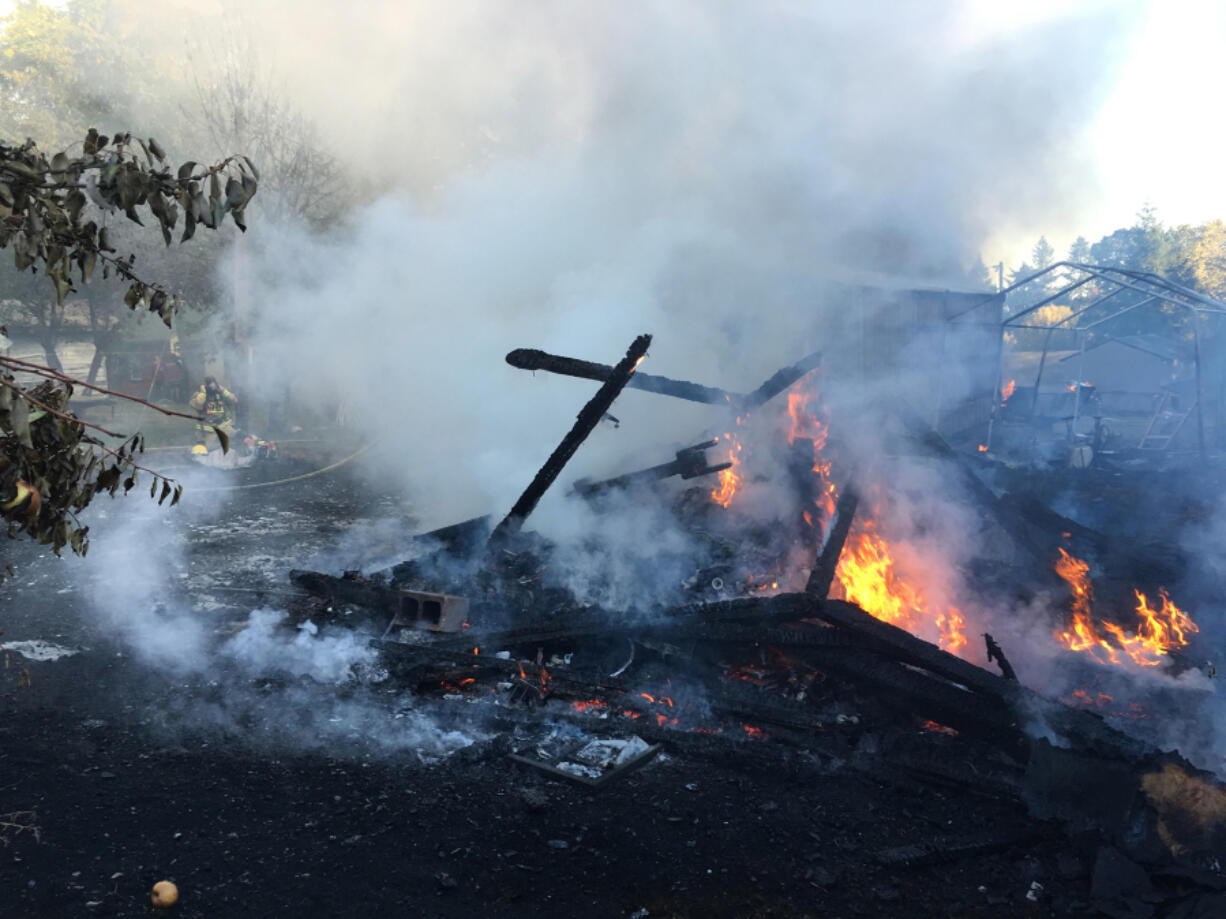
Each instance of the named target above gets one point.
<point>608,752</point>
<point>587,772</point>
<point>38,650</point>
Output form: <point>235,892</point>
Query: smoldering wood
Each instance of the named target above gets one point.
<point>996,653</point>
<point>690,463</point>
<point>533,359</point>
<point>374,595</point>
<point>923,695</point>
<point>827,563</point>
<point>589,416</point>
<point>781,380</point>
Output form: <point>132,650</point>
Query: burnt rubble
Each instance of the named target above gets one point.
<point>796,680</point>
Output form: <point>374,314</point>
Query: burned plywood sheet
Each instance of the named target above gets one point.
<point>593,762</point>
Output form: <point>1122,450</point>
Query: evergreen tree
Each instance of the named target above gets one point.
<point>1042,254</point>
<point>1079,251</point>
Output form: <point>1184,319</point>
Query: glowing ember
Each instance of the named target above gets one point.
<point>1006,391</point>
<point>589,704</point>
<point>936,727</point>
<point>1158,631</point>
<point>868,578</point>
<point>983,448</point>
<point>756,733</point>
<point>1104,702</point>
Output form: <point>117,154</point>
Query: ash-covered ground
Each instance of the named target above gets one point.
<point>278,772</point>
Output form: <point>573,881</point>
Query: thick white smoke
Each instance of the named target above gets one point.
<point>568,176</point>
<point>687,169</point>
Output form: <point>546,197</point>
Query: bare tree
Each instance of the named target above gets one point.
<point>243,109</point>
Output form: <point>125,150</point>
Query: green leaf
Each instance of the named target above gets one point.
<point>166,489</point>
<point>178,495</point>
<point>185,171</point>
<point>157,150</point>
<point>223,437</point>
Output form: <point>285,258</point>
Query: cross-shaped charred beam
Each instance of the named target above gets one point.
<point>589,416</point>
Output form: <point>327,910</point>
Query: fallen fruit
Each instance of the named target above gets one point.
<point>165,894</point>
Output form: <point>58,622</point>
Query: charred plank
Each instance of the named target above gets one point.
<point>589,416</point>
<point>690,463</point>
<point>822,575</point>
<point>533,359</point>
<point>781,380</point>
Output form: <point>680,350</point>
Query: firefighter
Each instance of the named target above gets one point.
<point>216,403</point>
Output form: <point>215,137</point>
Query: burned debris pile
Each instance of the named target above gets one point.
<point>797,663</point>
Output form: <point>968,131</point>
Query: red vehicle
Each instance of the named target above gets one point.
<point>147,370</point>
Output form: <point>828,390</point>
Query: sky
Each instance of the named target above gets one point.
<point>1160,136</point>
<point>1154,137</point>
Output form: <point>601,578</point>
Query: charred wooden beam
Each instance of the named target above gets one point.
<point>690,463</point>
<point>375,595</point>
<point>532,359</point>
<point>901,645</point>
<point>822,575</point>
<point>912,691</point>
<point>589,416</point>
<point>781,380</point>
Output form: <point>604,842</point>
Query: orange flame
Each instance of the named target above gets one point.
<point>806,425</point>
<point>983,448</point>
<point>728,479</point>
<point>1158,631</point>
<point>868,578</point>
<point>1006,391</point>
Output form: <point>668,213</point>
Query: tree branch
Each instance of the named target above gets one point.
<point>22,394</point>
<point>52,373</point>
